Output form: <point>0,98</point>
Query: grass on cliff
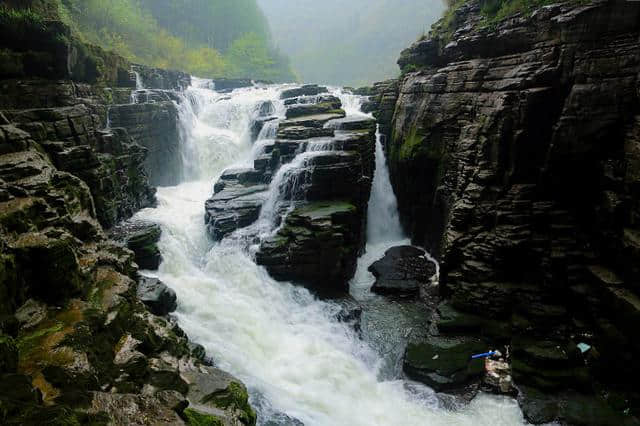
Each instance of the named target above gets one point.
<point>496,10</point>
<point>208,38</point>
<point>493,11</point>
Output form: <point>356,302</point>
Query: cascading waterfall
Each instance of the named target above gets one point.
<point>298,361</point>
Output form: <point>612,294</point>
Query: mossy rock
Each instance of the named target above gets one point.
<point>444,364</point>
<point>236,398</point>
<point>196,418</point>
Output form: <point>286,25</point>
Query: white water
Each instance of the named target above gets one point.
<point>283,343</point>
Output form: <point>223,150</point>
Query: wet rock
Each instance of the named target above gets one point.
<point>198,352</point>
<point>570,408</point>
<point>128,358</point>
<point>308,90</point>
<point>154,78</point>
<point>513,234</point>
<point>317,246</point>
<point>402,271</point>
<point>160,299</point>
<point>350,313</point>
<point>444,364</point>
<point>234,206</point>
<point>219,394</point>
<point>155,127</point>
<point>143,241</point>
<point>258,124</point>
<point>134,409</point>
<point>302,132</point>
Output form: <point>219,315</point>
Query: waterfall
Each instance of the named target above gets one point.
<point>383,220</point>
<point>297,360</point>
<point>139,84</point>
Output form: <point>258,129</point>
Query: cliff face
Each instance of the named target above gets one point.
<point>514,154</point>
<point>77,344</point>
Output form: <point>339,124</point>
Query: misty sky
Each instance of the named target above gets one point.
<point>348,42</point>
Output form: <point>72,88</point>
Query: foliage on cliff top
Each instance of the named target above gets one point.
<point>208,38</point>
<point>492,11</point>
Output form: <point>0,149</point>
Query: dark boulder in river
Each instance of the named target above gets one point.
<point>402,271</point>
<point>159,298</point>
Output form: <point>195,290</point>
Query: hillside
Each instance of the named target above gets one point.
<point>214,39</point>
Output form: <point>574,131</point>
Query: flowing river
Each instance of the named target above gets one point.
<point>301,365</point>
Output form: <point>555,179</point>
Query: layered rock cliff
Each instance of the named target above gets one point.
<point>513,148</point>
<point>77,341</point>
<point>310,187</point>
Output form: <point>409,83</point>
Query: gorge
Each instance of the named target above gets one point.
<point>181,250</point>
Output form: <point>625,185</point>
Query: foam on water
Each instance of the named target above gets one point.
<point>295,357</point>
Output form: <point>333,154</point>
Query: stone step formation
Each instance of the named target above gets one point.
<point>325,198</point>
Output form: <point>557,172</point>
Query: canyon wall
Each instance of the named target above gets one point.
<point>77,343</point>
<point>513,149</point>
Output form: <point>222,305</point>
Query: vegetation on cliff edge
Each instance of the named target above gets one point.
<point>208,38</point>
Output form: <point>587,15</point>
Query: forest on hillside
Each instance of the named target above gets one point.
<point>208,38</point>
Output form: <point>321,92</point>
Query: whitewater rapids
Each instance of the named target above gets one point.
<point>297,360</point>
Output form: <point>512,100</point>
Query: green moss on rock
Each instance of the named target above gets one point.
<point>196,418</point>
<point>235,396</point>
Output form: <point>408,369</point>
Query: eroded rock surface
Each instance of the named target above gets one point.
<point>513,153</point>
<point>77,345</point>
<point>402,272</point>
<point>324,197</point>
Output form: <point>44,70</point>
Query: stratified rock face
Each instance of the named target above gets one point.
<point>107,161</point>
<point>155,127</point>
<point>403,271</point>
<point>325,195</point>
<point>317,246</point>
<point>154,78</point>
<point>514,158</point>
<point>142,239</point>
<point>77,343</point>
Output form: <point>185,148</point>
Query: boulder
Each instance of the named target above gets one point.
<point>258,124</point>
<point>314,120</point>
<point>234,206</point>
<point>444,364</point>
<point>213,392</point>
<point>160,299</point>
<point>317,247</point>
<point>143,241</point>
<point>308,90</point>
<point>136,410</point>
<point>402,271</point>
